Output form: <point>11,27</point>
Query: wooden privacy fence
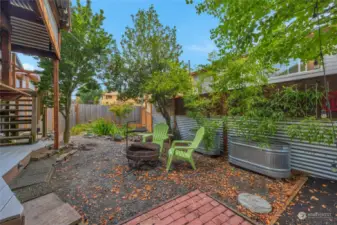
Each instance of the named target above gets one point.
<point>83,113</point>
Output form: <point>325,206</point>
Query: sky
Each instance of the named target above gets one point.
<point>193,30</point>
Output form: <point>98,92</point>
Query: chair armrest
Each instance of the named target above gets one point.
<point>183,147</point>
<point>180,142</point>
<point>145,134</point>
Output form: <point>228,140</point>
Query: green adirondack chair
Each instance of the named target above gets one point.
<point>159,135</point>
<point>185,152</point>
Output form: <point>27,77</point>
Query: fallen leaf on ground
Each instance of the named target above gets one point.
<point>314,198</point>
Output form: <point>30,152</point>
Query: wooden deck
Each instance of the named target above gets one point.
<point>12,160</point>
<point>11,156</point>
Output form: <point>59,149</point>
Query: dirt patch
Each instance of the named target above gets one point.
<point>100,185</point>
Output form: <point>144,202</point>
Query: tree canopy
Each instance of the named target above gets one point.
<point>273,31</point>
<point>148,62</point>
<point>90,93</point>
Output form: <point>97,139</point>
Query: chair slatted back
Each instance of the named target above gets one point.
<point>198,137</point>
<point>160,132</point>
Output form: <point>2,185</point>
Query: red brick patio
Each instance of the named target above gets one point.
<point>194,208</point>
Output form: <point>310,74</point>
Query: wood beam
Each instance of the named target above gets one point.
<point>33,51</point>
<point>6,57</point>
<point>4,16</point>
<point>26,15</point>
<point>12,80</point>
<point>56,63</point>
<point>44,14</point>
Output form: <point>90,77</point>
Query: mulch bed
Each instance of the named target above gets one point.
<point>318,200</point>
<point>100,185</point>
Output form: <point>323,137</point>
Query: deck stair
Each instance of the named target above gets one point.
<point>15,121</point>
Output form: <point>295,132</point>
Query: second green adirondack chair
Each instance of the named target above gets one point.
<point>185,152</point>
<point>159,135</point>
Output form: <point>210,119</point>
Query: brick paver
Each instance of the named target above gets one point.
<point>194,208</point>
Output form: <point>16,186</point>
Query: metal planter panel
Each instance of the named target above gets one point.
<point>273,161</point>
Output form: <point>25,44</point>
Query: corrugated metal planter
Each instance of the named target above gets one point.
<point>273,161</point>
<point>215,150</point>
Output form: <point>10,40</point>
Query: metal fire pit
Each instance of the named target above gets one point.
<point>143,153</point>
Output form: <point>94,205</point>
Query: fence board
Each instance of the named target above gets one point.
<point>89,112</point>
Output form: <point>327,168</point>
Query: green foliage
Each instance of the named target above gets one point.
<point>121,110</point>
<point>254,35</point>
<point>148,64</point>
<point>90,93</point>
<point>211,127</point>
<point>310,129</point>
<point>297,103</point>
<point>273,31</point>
<point>80,128</point>
<point>85,52</point>
<point>200,108</point>
<point>165,85</point>
<point>99,127</point>
<point>103,127</point>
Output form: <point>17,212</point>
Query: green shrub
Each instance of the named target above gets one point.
<point>121,110</point>
<point>100,127</point>
<point>80,128</point>
<point>103,127</point>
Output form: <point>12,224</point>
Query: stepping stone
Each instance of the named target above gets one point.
<point>50,210</point>
<point>254,203</point>
<point>36,172</point>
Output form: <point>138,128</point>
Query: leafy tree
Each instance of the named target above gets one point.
<point>121,110</point>
<point>273,31</point>
<point>254,35</point>
<point>84,51</point>
<point>149,51</point>
<point>90,93</point>
<point>165,85</point>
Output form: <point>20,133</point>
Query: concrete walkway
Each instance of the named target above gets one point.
<point>195,208</point>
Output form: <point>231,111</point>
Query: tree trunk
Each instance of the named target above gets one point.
<point>66,134</point>
<point>162,108</point>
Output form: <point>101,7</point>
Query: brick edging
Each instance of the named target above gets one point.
<point>234,210</point>
<point>152,208</point>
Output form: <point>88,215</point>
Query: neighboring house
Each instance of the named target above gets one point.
<point>112,98</point>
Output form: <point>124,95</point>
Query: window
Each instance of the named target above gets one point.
<point>295,66</point>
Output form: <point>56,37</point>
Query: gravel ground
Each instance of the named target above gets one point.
<point>98,183</point>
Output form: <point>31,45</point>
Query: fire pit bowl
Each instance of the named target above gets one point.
<point>143,152</point>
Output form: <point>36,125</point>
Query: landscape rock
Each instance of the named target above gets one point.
<point>254,203</point>
<point>118,138</point>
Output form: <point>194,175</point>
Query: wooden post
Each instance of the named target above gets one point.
<point>56,102</point>
<point>151,119</point>
<point>12,79</point>
<point>145,112</point>
<point>5,60</point>
<point>44,124</point>
<point>34,119</point>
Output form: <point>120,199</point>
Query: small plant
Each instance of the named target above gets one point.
<point>121,110</point>
<point>310,129</point>
<point>103,127</point>
<point>80,128</point>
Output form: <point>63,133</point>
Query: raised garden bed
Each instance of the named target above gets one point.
<point>272,161</point>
